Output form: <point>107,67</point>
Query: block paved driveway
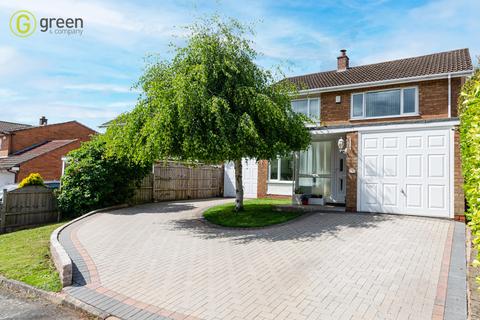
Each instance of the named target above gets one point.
<point>160,261</point>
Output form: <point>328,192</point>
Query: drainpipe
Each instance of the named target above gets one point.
<point>449,95</point>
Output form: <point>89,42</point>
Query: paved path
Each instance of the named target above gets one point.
<point>160,261</point>
<point>19,307</point>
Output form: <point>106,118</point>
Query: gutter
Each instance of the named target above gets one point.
<point>386,82</point>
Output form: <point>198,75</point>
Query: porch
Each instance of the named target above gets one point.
<point>319,171</point>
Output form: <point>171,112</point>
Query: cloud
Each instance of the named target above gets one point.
<point>433,27</point>
<point>103,87</point>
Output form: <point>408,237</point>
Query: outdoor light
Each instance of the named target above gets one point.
<point>342,146</point>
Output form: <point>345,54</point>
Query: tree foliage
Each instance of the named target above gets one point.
<point>94,180</point>
<point>470,149</point>
<point>210,103</point>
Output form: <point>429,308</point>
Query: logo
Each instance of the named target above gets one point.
<point>23,23</point>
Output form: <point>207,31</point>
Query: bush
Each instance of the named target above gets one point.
<point>93,180</point>
<point>33,179</point>
<point>470,148</point>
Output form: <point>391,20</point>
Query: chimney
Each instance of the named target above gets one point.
<point>43,121</point>
<point>342,61</point>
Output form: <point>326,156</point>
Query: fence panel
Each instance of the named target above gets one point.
<point>27,206</point>
<point>176,181</point>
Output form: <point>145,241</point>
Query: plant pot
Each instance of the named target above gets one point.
<point>297,199</point>
<point>316,201</point>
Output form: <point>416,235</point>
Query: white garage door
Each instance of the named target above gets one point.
<point>249,175</point>
<point>405,172</point>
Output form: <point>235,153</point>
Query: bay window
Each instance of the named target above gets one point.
<point>385,103</point>
<point>308,107</point>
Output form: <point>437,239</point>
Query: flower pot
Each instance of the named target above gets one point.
<point>316,201</point>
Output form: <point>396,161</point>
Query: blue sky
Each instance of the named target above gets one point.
<point>89,78</point>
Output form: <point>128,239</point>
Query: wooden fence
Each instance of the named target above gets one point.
<point>27,206</point>
<point>177,181</point>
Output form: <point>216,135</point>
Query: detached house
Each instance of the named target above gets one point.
<point>26,149</point>
<point>385,138</point>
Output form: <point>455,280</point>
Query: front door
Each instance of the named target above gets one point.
<point>338,195</point>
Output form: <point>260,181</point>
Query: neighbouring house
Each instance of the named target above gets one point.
<point>385,138</point>
<point>26,149</point>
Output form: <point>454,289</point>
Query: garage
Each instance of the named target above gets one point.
<point>406,172</point>
<point>249,175</point>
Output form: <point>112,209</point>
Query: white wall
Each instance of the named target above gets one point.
<point>280,188</point>
<point>6,178</point>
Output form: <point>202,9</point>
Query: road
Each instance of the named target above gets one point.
<point>16,306</point>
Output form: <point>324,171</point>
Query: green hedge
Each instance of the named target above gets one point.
<point>470,148</point>
<point>94,180</point>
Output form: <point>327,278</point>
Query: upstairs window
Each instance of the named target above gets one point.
<point>308,107</point>
<point>385,103</point>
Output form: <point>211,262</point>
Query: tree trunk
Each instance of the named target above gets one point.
<point>238,186</point>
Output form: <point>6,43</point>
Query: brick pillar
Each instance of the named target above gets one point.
<point>262,178</point>
<point>459,196</point>
<point>352,171</point>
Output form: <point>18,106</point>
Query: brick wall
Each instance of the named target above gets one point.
<point>459,196</point>
<point>5,139</point>
<point>59,131</point>
<point>352,163</point>
<point>433,102</point>
<point>48,165</point>
<point>262,178</point>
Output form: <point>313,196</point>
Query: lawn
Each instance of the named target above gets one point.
<point>25,256</point>
<point>257,213</point>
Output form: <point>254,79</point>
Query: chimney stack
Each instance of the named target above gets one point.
<point>43,121</point>
<point>342,61</point>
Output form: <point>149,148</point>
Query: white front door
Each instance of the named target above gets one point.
<point>249,174</point>
<point>405,172</point>
<point>340,169</point>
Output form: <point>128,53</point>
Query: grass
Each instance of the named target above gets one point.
<point>25,256</point>
<point>257,213</point>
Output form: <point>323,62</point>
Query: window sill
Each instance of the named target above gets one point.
<point>406,115</point>
<point>279,182</point>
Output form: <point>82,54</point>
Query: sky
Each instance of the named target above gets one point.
<point>89,77</point>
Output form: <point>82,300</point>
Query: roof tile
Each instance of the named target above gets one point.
<point>432,64</point>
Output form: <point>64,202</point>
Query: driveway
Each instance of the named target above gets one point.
<point>159,261</point>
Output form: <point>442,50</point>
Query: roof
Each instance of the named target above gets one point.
<point>6,126</point>
<point>431,64</point>
<point>31,153</point>
<point>106,124</point>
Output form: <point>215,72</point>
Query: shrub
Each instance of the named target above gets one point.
<point>33,179</point>
<point>470,149</point>
<point>94,180</point>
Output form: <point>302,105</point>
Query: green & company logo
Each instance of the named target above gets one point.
<point>23,23</point>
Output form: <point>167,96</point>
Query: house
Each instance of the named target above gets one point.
<point>26,149</point>
<point>385,138</point>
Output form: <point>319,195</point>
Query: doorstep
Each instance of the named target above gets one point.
<point>308,208</point>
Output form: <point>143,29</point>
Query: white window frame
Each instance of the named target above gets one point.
<point>278,173</point>
<point>402,114</point>
<point>308,107</point>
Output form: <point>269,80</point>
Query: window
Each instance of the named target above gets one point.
<point>385,103</point>
<point>308,107</point>
<point>281,169</point>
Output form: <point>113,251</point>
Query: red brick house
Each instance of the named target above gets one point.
<point>385,138</point>
<point>26,149</point>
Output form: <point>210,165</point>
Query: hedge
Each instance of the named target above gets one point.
<point>470,149</point>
